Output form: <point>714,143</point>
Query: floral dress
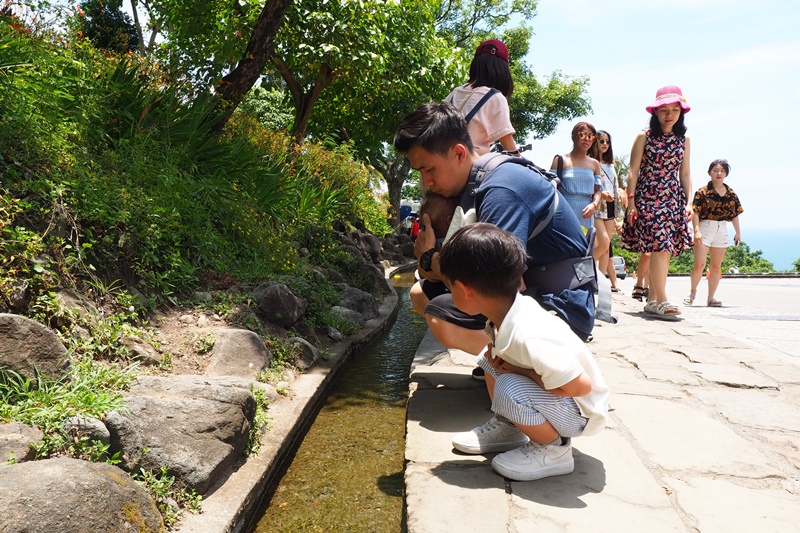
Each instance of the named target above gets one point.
<point>661,225</point>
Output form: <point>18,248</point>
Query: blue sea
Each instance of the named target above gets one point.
<point>781,246</point>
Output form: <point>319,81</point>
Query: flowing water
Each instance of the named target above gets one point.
<point>347,474</point>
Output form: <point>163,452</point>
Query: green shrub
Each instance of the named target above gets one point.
<point>111,174</point>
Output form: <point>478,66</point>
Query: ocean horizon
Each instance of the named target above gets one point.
<point>779,246</point>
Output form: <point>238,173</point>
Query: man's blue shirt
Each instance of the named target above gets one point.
<point>517,199</point>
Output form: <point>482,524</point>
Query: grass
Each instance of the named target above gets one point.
<point>89,389</point>
<point>171,501</point>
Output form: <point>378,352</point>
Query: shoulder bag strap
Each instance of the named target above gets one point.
<point>480,104</point>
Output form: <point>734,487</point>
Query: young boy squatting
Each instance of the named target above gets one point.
<point>544,383</point>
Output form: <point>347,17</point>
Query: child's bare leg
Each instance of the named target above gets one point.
<point>452,336</point>
<point>541,434</point>
<point>490,381</point>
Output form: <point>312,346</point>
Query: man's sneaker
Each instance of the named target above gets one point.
<point>535,461</point>
<point>479,374</point>
<point>496,435</point>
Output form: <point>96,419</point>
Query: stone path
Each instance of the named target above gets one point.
<point>705,436</point>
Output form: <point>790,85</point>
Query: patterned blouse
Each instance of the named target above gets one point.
<point>711,206</point>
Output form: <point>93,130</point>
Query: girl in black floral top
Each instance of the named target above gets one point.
<point>714,206</point>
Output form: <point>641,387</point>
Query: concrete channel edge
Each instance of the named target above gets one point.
<point>235,501</point>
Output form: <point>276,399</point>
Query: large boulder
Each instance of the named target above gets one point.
<point>369,244</point>
<point>238,352</point>
<point>332,275</point>
<point>348,314</point>
<point>27,346</point>
<point>86,426</point>
<point>278,304</point>
<point>195,426</point>
<point>142,351</point>
<point>376,275</point>
<point>73,496</point>
<point>79,305</point>
<point>309,354</point>
<point>304,330</point>
<point>355,252</point>
<point>407,249</point>
<point>357,300</point>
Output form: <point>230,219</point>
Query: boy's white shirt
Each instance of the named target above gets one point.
<point>531,337</point>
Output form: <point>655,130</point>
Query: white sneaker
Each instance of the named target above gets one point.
<point>535,461</point>
<point>496,435</point>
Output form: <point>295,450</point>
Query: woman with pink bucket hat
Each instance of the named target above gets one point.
<point>659,194</point>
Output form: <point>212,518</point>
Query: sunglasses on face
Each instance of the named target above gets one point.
<point>603,141</point>
<point>586,135</point>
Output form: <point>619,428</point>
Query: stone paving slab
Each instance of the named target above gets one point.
<point>659,365</point>
<point>762,409</point>
<point>451,497</point>
<point>434,416</point>
<point>732,375</point>
<point>719,505</point>
<point>684,438</point>
<point>629,380</point>
<point>786,444</point>
<point>603,488</point>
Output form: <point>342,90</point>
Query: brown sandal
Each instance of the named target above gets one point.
<point>639,293</point>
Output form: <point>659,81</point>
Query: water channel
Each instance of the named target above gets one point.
<point>347,474</point>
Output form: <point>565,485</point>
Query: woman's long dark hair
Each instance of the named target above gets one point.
<point>488,70</point>
<point>655,126</point>
<point>608,157</point>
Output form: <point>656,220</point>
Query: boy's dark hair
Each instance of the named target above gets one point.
<point>487,70</point>
<point>439,208</point>
<point>486,258</point>
<point>655,126</point>
<point>434,127</point>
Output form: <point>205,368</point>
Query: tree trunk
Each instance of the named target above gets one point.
<point>394,174</point>
<point>395,188</point>
<point>240,80</point>
<point>303,102</point>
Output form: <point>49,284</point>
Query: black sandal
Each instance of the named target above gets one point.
<point>639,293</point>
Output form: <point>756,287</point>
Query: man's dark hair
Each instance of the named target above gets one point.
<point>487,70</point>
<point>434,127</point>
<point>655,126</point>
<point>486,258</point>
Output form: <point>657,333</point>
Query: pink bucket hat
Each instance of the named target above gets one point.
<point>669,94</point>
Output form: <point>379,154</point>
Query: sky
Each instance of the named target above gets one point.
<point>737,63</point>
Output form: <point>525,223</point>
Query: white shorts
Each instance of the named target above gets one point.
<point>715,233</point>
